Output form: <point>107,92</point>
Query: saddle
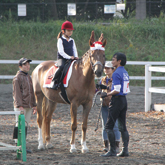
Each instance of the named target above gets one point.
<point>61,78</point>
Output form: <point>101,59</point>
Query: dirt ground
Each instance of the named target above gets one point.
<point>147,135</point>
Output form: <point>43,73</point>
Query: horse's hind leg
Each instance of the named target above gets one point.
<point>47,116</point>
<point>86,110</point>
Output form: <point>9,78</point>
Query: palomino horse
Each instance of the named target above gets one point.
<point>80,91</point>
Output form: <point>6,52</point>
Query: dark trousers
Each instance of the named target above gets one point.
<point>117,110</point>
<point>61,63</point>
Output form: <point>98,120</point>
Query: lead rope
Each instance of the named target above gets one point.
<point>94,103</point>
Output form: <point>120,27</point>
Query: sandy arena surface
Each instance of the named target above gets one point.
<point>147,135</point>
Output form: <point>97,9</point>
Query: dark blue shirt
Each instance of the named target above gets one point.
<point>121,77</point>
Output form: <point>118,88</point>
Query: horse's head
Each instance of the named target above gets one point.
<point>97,57</point>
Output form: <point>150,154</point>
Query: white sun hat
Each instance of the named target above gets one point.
<point>108,64</point>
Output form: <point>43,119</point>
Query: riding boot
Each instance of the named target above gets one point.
<point>117,146</point>
<point>57,74</point>
<point>125,139</point>
<point>111,137</point>
<point>106,145</point>
<point>56,79</point>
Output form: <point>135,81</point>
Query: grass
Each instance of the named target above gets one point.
<point>139,40</point>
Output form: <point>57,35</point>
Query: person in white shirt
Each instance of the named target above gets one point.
<point>66,49</point>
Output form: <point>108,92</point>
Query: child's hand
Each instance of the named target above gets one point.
<point>72,57</point>
<point>34,110</point>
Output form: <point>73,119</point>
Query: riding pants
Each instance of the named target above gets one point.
<point>27,114</point>
<point>117,110</point>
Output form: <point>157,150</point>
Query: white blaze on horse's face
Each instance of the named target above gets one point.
<point>97,58</point>
<point>98,61</point>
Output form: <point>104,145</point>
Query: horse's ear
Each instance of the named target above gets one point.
<point>92,39</point>
<point>104,43</point>
<point>101,38</point>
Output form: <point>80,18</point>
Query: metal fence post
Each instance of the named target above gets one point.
<point>21,138</point>
<point>147,86</point>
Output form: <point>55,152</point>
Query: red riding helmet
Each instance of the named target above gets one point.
<point>67,25</point>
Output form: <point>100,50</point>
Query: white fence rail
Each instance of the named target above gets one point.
<point>148,88</point>
<point>128,63</point>
<point>5,145</point>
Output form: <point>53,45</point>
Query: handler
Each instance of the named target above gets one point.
<point>118,105</point>
<point>23,94</point>
<point>105,85</point>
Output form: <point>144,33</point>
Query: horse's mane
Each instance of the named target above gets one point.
<point>84,58</point>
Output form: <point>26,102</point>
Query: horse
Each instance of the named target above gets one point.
<point>80,91</point>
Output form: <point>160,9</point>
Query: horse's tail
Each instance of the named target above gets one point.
<point>43,115</point>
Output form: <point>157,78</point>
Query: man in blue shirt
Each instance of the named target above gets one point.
<point>118,105</point>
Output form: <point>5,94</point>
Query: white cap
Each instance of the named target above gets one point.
<point>109,65</point>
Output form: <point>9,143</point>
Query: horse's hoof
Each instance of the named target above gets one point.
<point>85,150</point>
<point>41,147</point>
<point>49,146</point>
<point>73,150</point>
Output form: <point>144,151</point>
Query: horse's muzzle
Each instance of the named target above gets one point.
<point>98,73</point>
<point>98,68</point>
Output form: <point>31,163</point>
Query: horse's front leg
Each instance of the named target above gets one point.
<point>47,116</point>
<point>73,112</point>
<point>39,99</point>
<point>86,110</point>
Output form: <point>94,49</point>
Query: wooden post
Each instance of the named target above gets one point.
<point>147,86</point>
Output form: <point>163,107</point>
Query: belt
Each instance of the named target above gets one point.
<point>118,96</point>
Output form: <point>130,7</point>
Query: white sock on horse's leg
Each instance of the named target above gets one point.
<point>84,146</point>
<point>73,148</point>
<point>40,139</point>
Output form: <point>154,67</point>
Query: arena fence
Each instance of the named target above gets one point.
<point>148,88</point>
<point>128,63</point>
<point>21,143</point>
<point>147,77</point>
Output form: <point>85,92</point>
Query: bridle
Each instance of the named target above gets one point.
<point>96,63</point>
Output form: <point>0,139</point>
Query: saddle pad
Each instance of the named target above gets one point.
<point>50,74</point>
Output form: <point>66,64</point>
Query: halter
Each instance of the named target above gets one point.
<point>96,46</point>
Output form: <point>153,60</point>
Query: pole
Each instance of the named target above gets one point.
<point>21,138</point>
<point>147,86</point>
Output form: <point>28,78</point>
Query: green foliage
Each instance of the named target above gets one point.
<point>139,40</point>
